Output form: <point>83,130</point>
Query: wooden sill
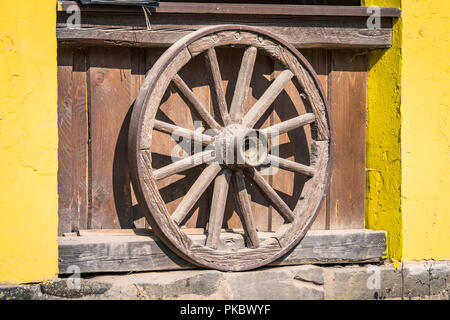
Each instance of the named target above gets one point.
<point>96,252</point>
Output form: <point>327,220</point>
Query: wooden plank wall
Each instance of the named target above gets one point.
<point>97,88</point>
<point>347,93</point>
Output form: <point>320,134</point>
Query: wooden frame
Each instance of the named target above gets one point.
<point>334,41</point>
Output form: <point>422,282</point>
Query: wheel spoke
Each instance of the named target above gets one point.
<point>243,84</point>
<point>213,67</point>
<point>198,106</point>
<point>267,98</point>
<point>289,125</point>
<point>271,195</point>
<point>290,165</point>
<point>219,201</point>
<point>195,192</point>
<point>182,132</point>
<point>184,164</point>
<point>244,209</point>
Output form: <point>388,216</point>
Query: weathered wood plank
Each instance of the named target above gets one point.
<point>148,253</point>
<point>110,83</point>
<point>348,83</point>
<point>330,38</point>
<point>138,71</point>
<point>320,61</point>
<point>244,8</point>
<point>337,247</point>
<point>73,140</point>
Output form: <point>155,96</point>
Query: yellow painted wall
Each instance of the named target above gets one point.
<point>426,129</point>
<point>28,141</point>
<point>383,167</point>
<point>408,133</point>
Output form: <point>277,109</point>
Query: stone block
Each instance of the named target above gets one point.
<point>273,284</point>
<point>202,284</point>
<point>188,285</point>
<point>416,279</point>
<point>310,273</point>
<point>21,292</point>
<point>440,278</point>
<point>63,289</point>
<point>361,283</point>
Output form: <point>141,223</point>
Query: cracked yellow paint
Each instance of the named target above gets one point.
<point>408,133</point>
<point>383,173</point>
<point>28,141</point>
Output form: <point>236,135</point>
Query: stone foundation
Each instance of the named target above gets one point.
<point>411,280</point>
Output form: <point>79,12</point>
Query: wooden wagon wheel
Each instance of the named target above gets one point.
<point>229,132</point>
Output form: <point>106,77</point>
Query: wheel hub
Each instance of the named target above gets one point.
<point>238,146</point>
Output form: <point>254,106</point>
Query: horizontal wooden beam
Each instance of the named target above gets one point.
<point>313,37</point>
<point>243,8</point>
<point>125,253</point>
